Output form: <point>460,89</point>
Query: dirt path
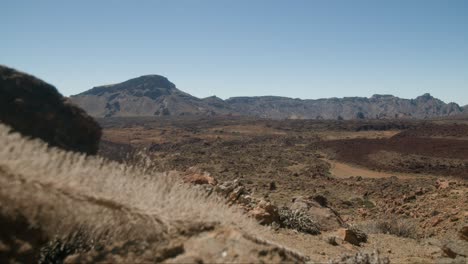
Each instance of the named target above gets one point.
<point>343,170</point>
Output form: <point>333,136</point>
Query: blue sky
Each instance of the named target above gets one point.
<point>306,49</point>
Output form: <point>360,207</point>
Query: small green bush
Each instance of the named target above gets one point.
<point>298,220</point>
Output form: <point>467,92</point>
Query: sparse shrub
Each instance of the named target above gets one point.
<point>298,220</point>
<point>361,258</point>
<point>368,204</point>
<point>393,226</point>
<point>56,250</point>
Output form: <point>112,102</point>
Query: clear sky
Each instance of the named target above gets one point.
<point>306,49</point>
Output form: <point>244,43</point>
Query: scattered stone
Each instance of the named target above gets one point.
<point>265,213</point>
<point>227,187</point>
<point>200,179</point>
<point>247,200</point>
<point>464,233</point>
<point>436,221</point>
<point>456,248</point>
<point>236,194</point>
<point>332,241</point>
<point>272,186</point>
<point>196,176</point>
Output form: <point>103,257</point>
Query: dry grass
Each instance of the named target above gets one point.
<point>61,192</point>
<point>393,226</point>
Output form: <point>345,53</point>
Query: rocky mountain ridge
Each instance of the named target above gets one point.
<point>155,95</point>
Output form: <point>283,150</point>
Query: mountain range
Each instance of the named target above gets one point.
<point>155,95</point>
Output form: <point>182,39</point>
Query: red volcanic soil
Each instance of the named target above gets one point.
<point>455,131</point>
<point>428,149</point>
<point>354,149</point>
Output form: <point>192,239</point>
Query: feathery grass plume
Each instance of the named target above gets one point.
<point>62,192</point>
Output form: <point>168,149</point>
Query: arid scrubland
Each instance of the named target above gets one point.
<point>61,193</point>
<point>324,176</point>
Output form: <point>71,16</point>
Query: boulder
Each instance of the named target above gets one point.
<point>352,236</point>
<point>456,248</point>
<point>197,177</point>
<point>36,109</point>
<point>265,213</point>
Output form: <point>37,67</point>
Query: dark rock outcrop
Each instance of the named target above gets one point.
<point>36,109</point>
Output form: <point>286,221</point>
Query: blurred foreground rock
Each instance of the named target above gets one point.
<point>221,245</point>
<point>36,109</point>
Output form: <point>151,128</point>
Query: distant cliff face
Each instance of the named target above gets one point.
<point>154,95</point>
<point>376,107</point>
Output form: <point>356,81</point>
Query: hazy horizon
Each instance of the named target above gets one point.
<point>298,49</point>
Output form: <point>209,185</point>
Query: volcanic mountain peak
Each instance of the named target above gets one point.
<point>426,97</point>
<point>148,95</point>
<point>145,82</point>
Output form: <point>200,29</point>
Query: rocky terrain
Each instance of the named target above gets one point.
<point>398,181</point>
<point>223,188</point>
<point>154,95</point>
